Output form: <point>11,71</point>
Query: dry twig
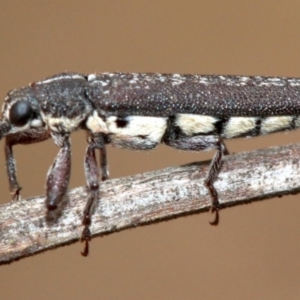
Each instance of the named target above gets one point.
<point>26,229</point>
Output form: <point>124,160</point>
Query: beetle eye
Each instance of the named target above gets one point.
<point>20,112</point>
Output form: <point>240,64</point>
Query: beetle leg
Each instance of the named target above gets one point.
<point>103,163</point>
<point>59,173</point>
<point>11,171</point>
<point>92,178</point>
<point>202,143</point>
<point>212,175</point>
<point>29,137</point>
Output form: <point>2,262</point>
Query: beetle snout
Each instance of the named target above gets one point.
<point>4,128</point>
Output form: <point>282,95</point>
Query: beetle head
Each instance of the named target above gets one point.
<point>20,112</point>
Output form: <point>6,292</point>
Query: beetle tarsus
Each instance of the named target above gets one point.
<point>85,237</point>
<point>215,210</point>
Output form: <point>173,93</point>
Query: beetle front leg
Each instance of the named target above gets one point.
<point>59,173</point>
<point>11,171</point>
<point>92,178</point>
<point>30,137</point>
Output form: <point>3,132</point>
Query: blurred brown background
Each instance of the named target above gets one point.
<point>254,253</point>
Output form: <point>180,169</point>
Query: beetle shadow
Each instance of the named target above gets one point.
<point>53,216</point>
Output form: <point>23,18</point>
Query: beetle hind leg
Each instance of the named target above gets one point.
<point>212,175</point>
<point>204,143</point>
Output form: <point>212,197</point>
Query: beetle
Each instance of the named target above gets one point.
<point>138,111</point>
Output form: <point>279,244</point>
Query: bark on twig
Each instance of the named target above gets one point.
<point>26,229</point>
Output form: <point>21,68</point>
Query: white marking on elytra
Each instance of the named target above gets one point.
<point>104,82</point>
<point>139,131</point>
<point>57,78</point>
<point>297,122</point>
<point>91,77</point>
<point>294,82</point>
<point>203,80</point>
<point>272,81</point>
<point>237,126</point>
<point>161,77</point>
<point>244,78</point>
<point>265,83</point>
<point>195,124</point>
<point>277,82</point>
<point>272,124</point>
<point>177,79</point>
